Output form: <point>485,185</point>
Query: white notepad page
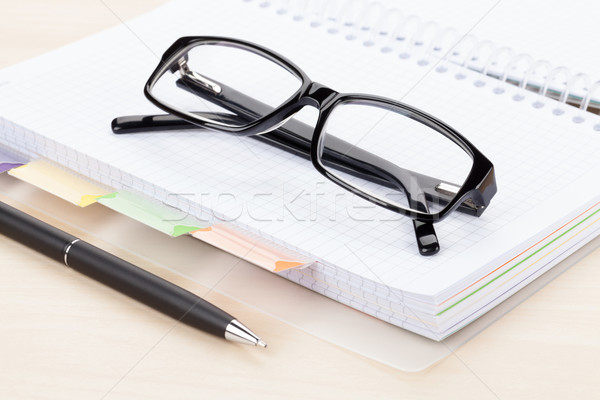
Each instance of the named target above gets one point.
<point>544,163</point>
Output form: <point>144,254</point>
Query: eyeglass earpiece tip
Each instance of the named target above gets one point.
<point>427,240</point>
<point>429,249</point>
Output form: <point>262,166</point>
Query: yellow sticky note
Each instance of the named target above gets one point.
<point>64,184</point>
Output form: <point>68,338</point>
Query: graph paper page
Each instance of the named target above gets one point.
<point>543,162</point>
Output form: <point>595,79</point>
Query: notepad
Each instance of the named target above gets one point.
<point>545,154</point>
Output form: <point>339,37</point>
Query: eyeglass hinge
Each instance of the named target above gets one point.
<point>450,190</point>
<point>187,73</point>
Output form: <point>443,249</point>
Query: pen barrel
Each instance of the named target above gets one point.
<point>147,288</point>
<point>33,233</point>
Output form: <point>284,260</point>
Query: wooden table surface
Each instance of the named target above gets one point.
<point>65,336</point>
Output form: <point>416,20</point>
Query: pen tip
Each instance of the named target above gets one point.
<point>261,343</point>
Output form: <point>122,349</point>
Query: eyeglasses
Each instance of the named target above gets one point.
<point>389,153</point>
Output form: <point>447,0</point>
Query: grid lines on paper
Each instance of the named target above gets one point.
<point>272,193</point>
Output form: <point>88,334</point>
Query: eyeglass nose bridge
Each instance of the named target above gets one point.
<point>318,95</point>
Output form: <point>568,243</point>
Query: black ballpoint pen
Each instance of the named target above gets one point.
<point>122,276</point>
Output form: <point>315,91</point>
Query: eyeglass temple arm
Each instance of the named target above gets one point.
<point>294,137</point>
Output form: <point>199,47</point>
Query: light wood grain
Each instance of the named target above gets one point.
<point>65,336</point>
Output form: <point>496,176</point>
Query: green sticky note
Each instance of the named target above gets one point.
<point>155,214</point>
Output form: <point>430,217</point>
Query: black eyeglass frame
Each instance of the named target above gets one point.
<point>479,186</point>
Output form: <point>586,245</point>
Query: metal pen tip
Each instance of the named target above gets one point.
<point>237,332</point>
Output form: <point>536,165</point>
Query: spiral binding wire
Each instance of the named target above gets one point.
<point>371,24</point>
